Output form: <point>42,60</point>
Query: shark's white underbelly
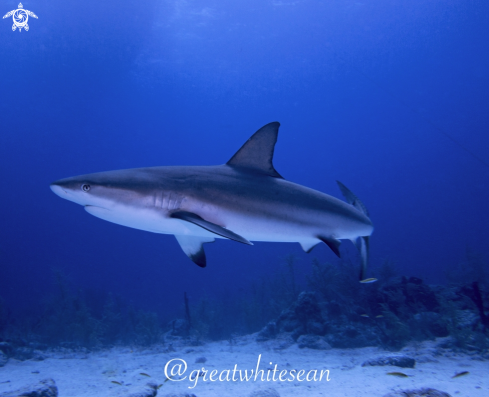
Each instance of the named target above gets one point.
<point>253,228</point>
<point>148,220</point>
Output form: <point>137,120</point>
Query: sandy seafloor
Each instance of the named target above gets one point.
<point>91,374</point>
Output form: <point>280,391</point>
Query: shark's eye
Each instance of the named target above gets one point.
<point>85,187</point>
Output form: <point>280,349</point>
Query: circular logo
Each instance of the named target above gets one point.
<point>20,18</point>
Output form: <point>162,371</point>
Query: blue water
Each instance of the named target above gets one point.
<point>367,92</point>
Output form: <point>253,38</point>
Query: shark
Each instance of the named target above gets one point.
<point>243,200</point>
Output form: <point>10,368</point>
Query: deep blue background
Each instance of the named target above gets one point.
<point>358,87</point>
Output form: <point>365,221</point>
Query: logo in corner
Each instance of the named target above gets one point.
<point>20,17</point>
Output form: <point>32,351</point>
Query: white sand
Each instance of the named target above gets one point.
<point>92,375</point>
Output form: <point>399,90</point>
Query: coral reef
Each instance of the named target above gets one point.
<point>389,313</point>
<point>73,319</point>
<point>332,311</point>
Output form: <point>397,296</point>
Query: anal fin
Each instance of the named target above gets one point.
<point>332,243</point>
<point>192,246</point>
<point>209,226</point>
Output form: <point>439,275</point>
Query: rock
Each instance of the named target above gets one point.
<point>38,346</point>
<point>268,332</point>
<point>415,280</point>
<point>6,348</point>
<point>397,361</point>
<point>45,388</point>
<point>201,360</point>
<point>303,317</point>
<point>195,342</point>
<point>38,356</point>
<point>313,342</point>
<point>26,353</point>
<point>334,309</point>
<point>150,390</point>
<point>425,392</point>
<point>433,322</point>
<point>467,319</point>
<point>3,359</point>
<point>426,359</point>
<point>23,353</point>
<point>287,321</point>
<point>308,312</point>
<point>411,293</point>
<point>170,348</point>
<point>281,342</point>
<point>346,336</point>
<point>179,327</point>
<point>270,392</point>
<point>444,343</point>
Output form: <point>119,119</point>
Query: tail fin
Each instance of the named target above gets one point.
<point>362,245</point>
<point>362,242</point>
<point>352,199</point>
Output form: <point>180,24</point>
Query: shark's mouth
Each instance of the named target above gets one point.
<point>96,211</point>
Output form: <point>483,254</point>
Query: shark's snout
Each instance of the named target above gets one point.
<point>68,189</point>
<point>81,190</point>
<point>57,189</point>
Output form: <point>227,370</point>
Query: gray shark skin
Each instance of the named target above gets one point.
<point>244,200</point>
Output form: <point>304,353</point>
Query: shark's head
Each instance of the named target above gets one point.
<point>82,190</point>
<point>100,190</point>
<point>121,196</point>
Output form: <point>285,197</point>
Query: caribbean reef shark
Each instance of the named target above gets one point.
<point>244,200</point>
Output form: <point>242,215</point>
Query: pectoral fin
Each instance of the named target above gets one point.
<point>192,246</point>
<point>211,227</point>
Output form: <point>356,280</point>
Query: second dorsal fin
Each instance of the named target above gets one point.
<point>257,152</point>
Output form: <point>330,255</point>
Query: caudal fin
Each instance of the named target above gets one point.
<point>363,247</point>
<point>352,199</point>
<point>361,242</point>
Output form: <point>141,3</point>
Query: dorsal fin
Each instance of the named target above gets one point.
<point>257,152</point>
